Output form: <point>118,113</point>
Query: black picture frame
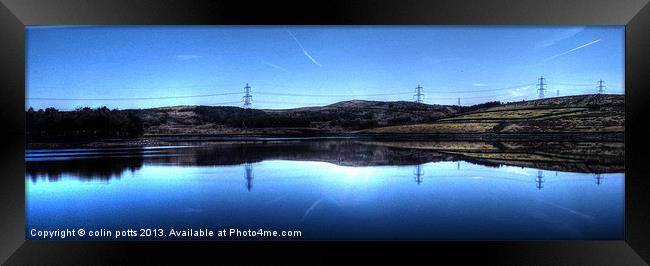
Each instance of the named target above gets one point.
<point>16,14</point>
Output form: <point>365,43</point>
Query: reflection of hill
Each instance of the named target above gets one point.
<point>341,152</point>
<point>586,157</point>
<point>559,166</point>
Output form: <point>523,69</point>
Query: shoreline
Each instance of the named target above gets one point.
<point>167,139</point>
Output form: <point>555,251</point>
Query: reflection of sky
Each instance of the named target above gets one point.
<point>470,200</point>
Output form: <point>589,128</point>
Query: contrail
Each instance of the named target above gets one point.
<point>303,50</point>
<point>311,208</point>
<point>275,66</point>
<point>577,48</point>
<point>562,36</point>
<point>62,27</point>
<point>569,210</point>
<point>277,199</point>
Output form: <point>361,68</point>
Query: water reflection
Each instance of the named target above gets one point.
<point>248,168</point>
<point>419,176</point>
<point>337,189</point>
<point>419,173</point>
<point>539,180</point>
<point>599,179</point>
<point>83,168</point>
<point>105,164</point>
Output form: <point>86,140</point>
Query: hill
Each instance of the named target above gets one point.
<point>596,113</point>
<point>583,117</point>
<point>340,117</point>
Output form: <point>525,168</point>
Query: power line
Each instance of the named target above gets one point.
<point>316,95</point>
<point>476,97</point>
<point>223,103</point>
<point>571,84</point>
<point>600,86</point>
<point>541,87</point>
<point>114,88</point>
<point>581,84</point>
<point>539,180</point>
<point>397,93</point>
<point>280,102</point>
<point>247,98</point>
<point>419,95</point>
<point>418,172</point>
<point>128,99</point>
<point>248,169</point>
<point>485,90</point>
<point>331,95</point>
<point>599,179</point>
<point>513,98</point>
<point>279,94</point>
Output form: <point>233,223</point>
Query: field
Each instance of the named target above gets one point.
<point>574,114</point>
<point>515,114</point>
<point>463,127</point>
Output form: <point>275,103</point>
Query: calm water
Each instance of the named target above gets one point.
<point>326,189</point>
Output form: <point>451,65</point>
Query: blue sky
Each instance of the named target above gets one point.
<point>293,66</point>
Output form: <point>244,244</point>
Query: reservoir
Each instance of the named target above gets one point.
<point>334,189</point>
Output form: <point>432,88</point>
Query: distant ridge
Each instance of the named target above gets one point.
<point>580,114</point>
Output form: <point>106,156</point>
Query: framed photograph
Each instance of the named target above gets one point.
<point>177,131</point>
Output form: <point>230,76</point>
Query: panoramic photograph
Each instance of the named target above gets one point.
<point>325,133</point>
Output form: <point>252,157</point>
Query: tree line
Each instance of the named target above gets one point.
<point>89,123</point>
<point>82,123</point>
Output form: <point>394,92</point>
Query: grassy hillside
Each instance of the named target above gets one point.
<point>567,115</point>
<point>584,113</point>
<point>339,117</point>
